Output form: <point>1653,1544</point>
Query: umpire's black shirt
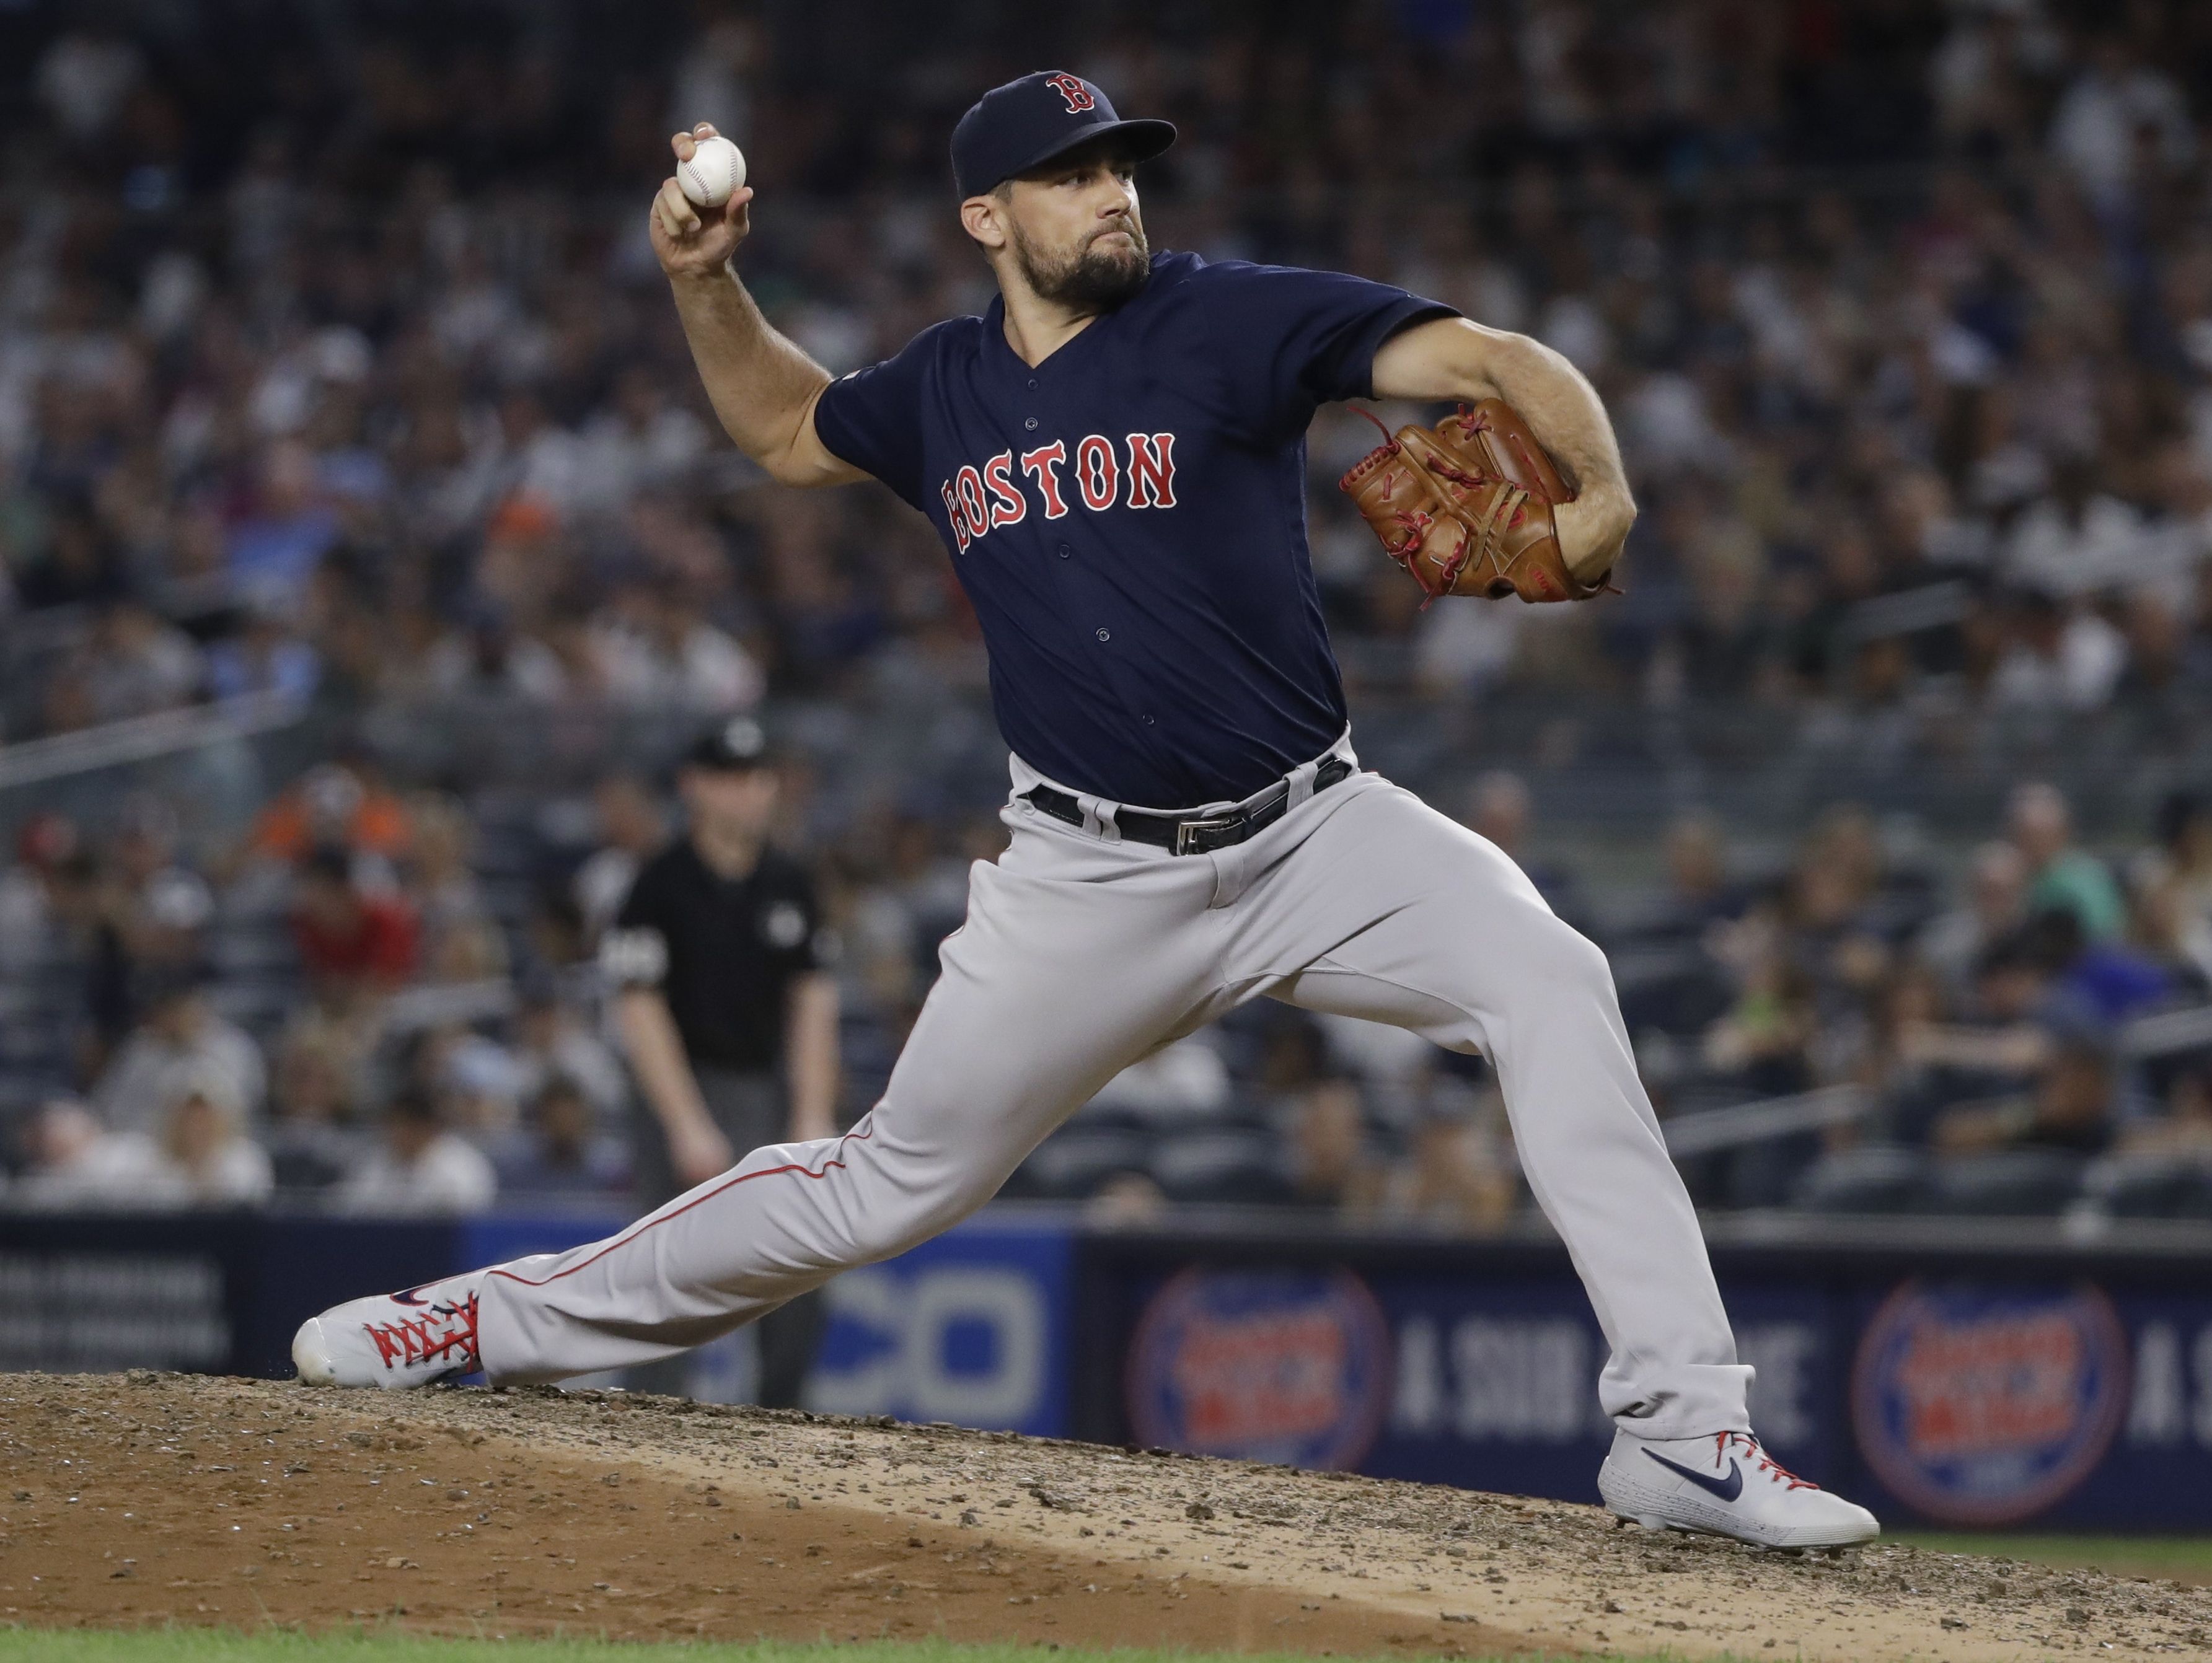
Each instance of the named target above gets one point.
<point>723,951</point>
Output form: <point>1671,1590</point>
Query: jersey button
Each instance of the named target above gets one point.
<point>1033,384</point>
<point>1105,635</point>
<point>1148,721</point>
<point>1030,422</point>
<point>1066,552</point>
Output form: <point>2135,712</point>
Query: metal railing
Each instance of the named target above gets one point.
<point>144,738</point>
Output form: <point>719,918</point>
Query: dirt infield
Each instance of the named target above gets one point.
<point>155,1498</point>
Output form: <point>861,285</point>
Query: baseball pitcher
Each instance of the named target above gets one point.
<point>1114,455</point>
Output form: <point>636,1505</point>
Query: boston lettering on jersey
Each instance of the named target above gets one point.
<point>1128,517</point>
<point>1149,468</point>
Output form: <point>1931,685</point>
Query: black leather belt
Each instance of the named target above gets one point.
<point>1200,834</point>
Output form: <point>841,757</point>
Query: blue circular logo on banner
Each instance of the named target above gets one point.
<point>1986,1405</point>
<point>1262,1365</point>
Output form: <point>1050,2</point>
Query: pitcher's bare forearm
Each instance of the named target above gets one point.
<point>763,384</point>
<point>1457,358</point>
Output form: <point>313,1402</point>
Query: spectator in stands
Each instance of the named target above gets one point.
<point>275,552</point>
<point>489,658</point>
<point>2184,1131</point>
<point>135,663</point>
<point>561,1149</point>
<point>72,1161</point>
<point>343,1018</point>
<point>1178,1082</point>
<point>2000,1041</point>
<point>2106,982</point>
<point>342,933</point>
<point>1763,1042</point>
<point>552,1042</point>
<point>266,659</point>
<point>159,906</point>
<point>1125,1197</point>
<point>207,1161</point>
<point>2165,928</point>
<point>1995,905</point>
<point>477,1084</point>
<point>31,932</point>
<point>461,941</point>
<point>310,1146</point>
<point>1698,892</point>
<point>182,1037</point>
<point>421,1167</point>
<point>2184,833</point>
<point>2070,1107</point>
<point>1330,1163</point>
<point>1499,807</point>
<point>1457,1173</point>
<point>2060,875</point>
<point>342,803</point>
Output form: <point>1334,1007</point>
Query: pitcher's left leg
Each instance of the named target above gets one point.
<point>1390,912</point>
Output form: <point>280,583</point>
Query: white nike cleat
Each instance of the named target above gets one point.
<point>417,1337</point>
<point>1727,1485</point>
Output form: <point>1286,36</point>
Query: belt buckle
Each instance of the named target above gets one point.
<point>1188,832</point>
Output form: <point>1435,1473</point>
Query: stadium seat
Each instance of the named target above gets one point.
<point>1238,1165</point>
<point>1071,1165</point>
<point>1880,1178</point>
<point>2150,1187</point>
<point>2012,1183</point>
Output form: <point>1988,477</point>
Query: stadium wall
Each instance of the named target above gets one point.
<point>1969,1374</point>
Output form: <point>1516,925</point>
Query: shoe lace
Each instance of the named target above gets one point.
<point>1764,1462</point>
<point>438,1335</point>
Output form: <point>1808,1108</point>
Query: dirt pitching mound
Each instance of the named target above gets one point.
<point>126,1501</point>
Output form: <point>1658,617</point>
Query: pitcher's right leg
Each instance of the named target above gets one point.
<point>1078,957</point>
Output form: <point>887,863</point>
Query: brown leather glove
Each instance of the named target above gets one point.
<point>1466,507</point>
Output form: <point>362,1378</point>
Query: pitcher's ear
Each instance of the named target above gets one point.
<point>984,219</point>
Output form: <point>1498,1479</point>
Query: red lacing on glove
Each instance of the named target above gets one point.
<point>1407,552</point>
<point>1765,1463</point>
<point>417,1339</point>
<point>1390,440</point>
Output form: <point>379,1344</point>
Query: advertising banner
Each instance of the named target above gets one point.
<point>1943,1382</point>
<point>972,1327</point>
<point>1986,1393</point>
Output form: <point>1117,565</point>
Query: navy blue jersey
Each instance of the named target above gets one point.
<point>1128,517</point>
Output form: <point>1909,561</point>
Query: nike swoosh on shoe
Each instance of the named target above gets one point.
<point>1726,1489</point>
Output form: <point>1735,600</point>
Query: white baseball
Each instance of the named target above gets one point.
<point>716,169</point>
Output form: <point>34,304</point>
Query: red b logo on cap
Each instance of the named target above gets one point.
<point>1077,95</point>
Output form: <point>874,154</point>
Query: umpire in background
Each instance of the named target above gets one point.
<point>727,1015</point>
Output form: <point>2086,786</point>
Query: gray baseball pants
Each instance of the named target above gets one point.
<point>1081,953</point>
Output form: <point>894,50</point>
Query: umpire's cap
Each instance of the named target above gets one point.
<point>1026,122</point>
<point>737,744</point>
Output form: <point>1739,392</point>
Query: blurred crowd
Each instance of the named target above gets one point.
<point>336,372</point>
<point>334,362</point>
<point>386,1000</point>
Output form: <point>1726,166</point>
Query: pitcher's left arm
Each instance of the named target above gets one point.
<point>1457,358</point>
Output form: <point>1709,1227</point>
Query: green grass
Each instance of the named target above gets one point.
<point>284,1646</point>
<point>2180,1558</point>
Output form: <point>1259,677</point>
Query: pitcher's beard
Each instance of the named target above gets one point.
<point>1096,280</point>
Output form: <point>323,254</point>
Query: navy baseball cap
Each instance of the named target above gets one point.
<point>1026,122</point>
<point>736,744</point>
